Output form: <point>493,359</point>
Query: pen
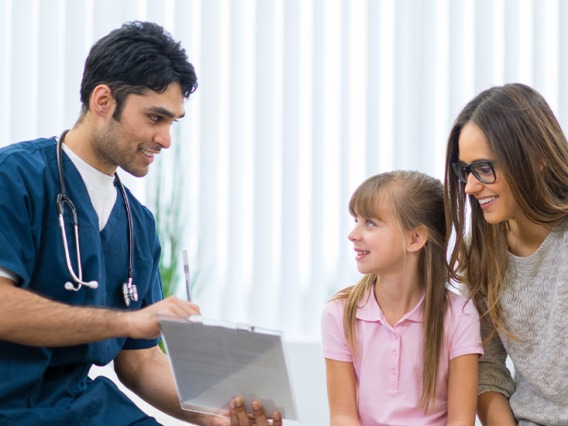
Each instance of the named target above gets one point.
<point>186,270</point>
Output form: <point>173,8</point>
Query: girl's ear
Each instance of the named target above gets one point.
<point>418,238</point>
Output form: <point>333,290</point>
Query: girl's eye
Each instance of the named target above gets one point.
<point>362,221</point>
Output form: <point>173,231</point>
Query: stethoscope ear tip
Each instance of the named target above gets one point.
<point>91,284</point>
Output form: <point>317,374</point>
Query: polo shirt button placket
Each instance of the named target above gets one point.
<point>394,376</point>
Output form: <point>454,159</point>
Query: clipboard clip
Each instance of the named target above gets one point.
<point>232,325</point>
<point>220,323</point>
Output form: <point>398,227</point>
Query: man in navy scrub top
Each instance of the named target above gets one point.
<point>73,297</point>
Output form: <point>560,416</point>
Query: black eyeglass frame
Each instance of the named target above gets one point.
<point>462,171</point>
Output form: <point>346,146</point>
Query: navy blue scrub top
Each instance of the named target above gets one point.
<point>50,386</point>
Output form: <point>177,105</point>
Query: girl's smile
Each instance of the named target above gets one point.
<point>360,254</point>
<point>378,244</point>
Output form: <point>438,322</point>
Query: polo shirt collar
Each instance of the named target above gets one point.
<point>371,311</point>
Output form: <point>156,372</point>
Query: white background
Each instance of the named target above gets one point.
<point>299,101</point>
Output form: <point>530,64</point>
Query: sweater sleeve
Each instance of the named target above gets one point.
<point>494,376</point>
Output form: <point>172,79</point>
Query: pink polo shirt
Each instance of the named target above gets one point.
<point>389,362</point>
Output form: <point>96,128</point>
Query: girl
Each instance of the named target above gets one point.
<point>507,154</point>
<point>400,348</point>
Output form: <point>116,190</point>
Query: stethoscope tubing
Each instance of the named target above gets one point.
<point>129,289</point>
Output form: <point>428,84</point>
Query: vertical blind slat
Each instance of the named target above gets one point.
<point>299,100</point>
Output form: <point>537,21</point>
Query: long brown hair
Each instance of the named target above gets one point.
<point>415,199</point>
<point>532,153</point>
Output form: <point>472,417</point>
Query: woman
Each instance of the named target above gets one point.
<point>508,155</point>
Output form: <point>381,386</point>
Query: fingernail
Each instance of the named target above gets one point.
<point>238,403</point>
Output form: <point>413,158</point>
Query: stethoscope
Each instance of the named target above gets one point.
<point>129,290</point>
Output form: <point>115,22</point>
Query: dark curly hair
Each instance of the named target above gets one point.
<point>137,57</point>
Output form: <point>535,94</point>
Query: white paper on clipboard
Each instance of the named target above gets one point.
<point>214,361</point>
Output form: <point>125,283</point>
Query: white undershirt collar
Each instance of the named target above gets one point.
<point>100,187</point>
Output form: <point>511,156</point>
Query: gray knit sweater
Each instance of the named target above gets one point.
<point>535,310</point>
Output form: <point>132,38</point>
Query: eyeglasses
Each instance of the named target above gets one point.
<point>483,171</point>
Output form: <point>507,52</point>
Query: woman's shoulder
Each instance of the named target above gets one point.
<point>562,226</point>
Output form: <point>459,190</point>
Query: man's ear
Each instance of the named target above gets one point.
<point>418,237</point>
<point>102,102</point>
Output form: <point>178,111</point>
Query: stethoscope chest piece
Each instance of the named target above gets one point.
<point>129,292</point>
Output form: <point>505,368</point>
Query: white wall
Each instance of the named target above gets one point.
<point>299,101</point>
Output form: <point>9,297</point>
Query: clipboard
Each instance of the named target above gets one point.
<point>214,361</point>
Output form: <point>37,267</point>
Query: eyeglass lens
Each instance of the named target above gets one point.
<point>482,170</point>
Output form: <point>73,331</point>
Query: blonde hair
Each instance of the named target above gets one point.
<point>414,199</point>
